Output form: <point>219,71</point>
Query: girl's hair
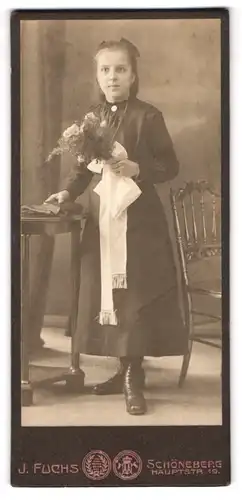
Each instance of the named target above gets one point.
<point>133,54</point>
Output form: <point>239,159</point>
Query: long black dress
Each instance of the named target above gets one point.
<point>150,322</point>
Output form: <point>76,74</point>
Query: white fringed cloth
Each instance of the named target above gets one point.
<point>116,194</point>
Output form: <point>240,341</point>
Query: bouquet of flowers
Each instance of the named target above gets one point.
<point>87,140</point>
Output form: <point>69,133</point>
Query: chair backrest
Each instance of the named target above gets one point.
<point>196,216</point>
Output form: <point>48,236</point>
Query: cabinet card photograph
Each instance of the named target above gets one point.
<point>120,163</point>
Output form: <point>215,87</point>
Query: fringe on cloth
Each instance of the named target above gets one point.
<point>119,281</point>
<point>108,318</point>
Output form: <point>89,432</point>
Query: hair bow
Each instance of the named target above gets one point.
<point>132,49</point>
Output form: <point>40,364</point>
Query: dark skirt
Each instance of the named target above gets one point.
<point>149,316</point>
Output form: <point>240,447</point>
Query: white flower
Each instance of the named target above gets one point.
<point>70,131</point>
<point>80,158</point>
<point>90,116</point>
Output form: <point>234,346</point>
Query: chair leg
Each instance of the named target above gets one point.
<point>185,364</point>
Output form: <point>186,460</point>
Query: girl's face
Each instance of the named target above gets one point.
<point>114,74</point>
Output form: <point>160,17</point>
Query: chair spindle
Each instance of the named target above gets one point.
<point>203,219</point>
<point>187,235</point>
<point>179,236</point>
<point>194,225</point>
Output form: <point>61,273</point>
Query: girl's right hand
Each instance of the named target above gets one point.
<point>59,198</point>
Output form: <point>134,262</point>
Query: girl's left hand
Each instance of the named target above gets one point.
<point>126,168</point>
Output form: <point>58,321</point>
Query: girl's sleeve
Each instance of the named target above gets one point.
<point>163,165</point>
<point>77,181</point>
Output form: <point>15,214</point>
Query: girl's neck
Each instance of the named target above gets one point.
<point>116,101</point>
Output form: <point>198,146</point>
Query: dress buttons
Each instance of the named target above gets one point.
<point>114,108</point>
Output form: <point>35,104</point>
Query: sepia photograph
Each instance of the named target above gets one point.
<point>121,273</point>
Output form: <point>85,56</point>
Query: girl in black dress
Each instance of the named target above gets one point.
<point>150,322</point>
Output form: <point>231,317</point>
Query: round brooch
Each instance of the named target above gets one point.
<point>114,108</point>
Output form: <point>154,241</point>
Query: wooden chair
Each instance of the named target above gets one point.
<point>195,210</point>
